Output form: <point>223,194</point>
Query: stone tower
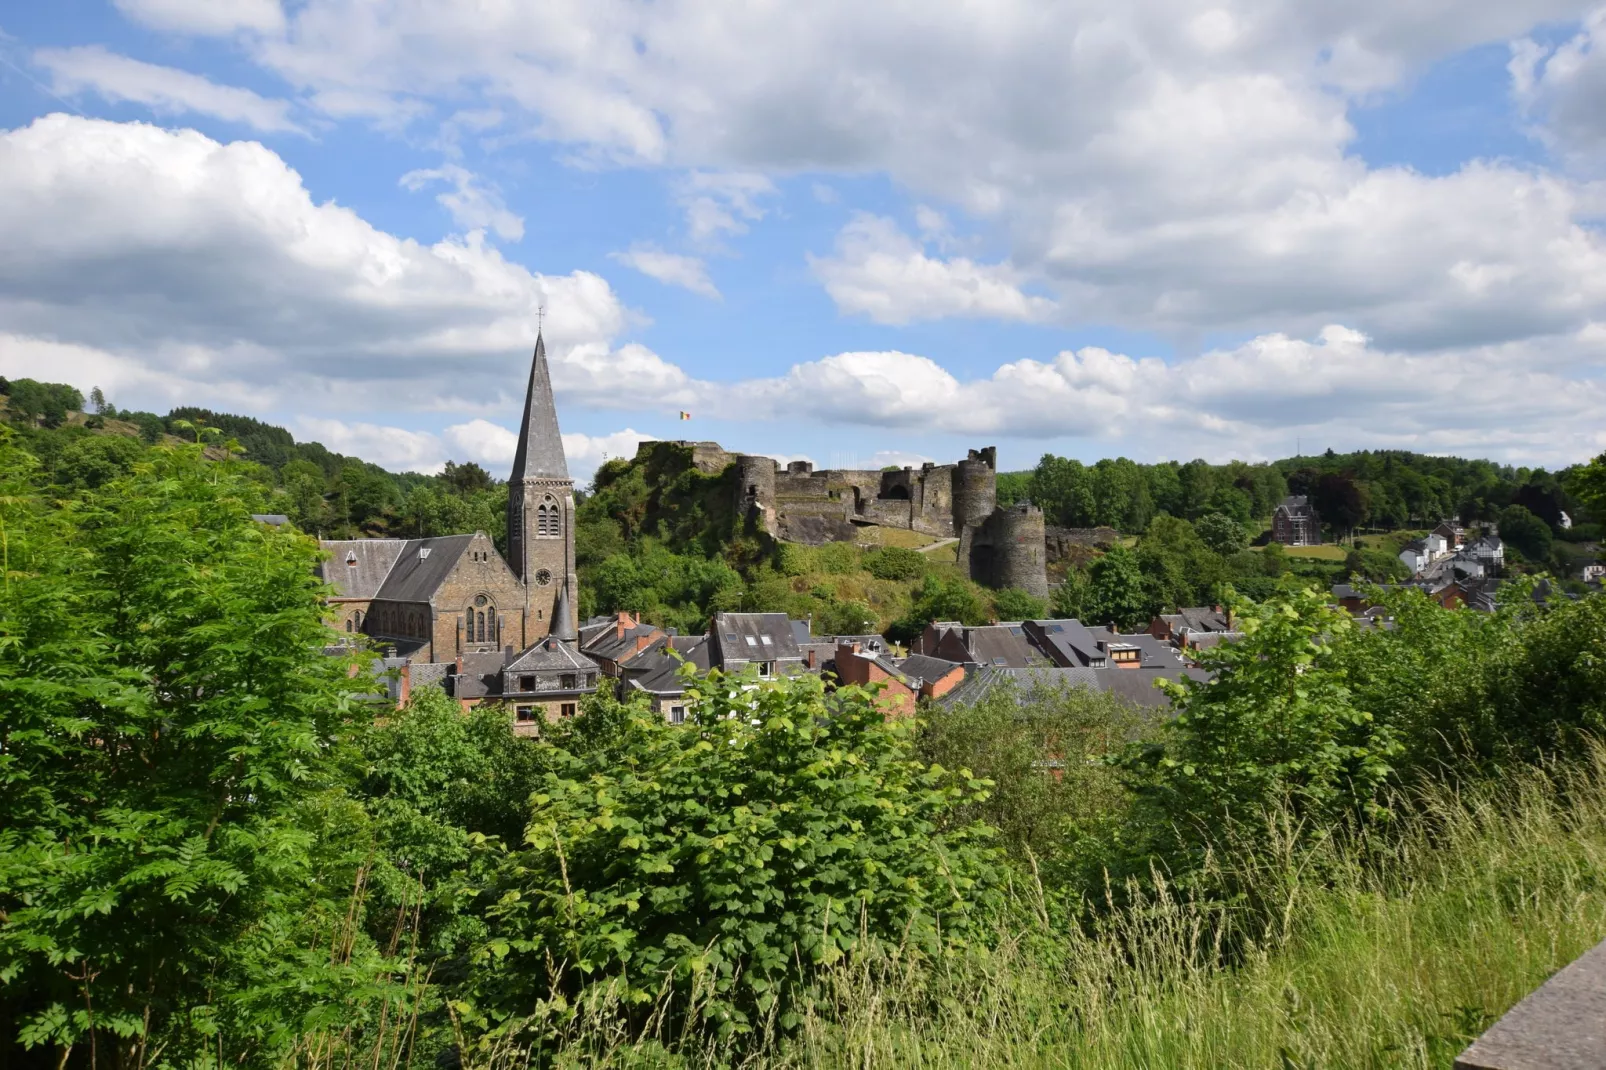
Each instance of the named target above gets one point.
<point>540,512</point>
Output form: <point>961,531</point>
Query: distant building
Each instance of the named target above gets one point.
<point>1295,522</point>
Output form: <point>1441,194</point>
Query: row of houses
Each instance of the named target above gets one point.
<point>950,662</point>
<point>1448,553</point>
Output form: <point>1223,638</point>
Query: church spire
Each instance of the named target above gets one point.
<point>540,449</point>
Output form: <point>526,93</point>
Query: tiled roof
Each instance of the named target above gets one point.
<point>657,672</point>
<point>924,668</point>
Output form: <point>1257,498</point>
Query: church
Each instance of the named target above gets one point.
<point>453,607</point>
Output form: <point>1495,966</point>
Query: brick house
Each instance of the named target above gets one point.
<point>1295,522</point>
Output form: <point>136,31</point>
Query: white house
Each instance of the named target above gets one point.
<point>1416,556</point>
<point>1491,551</point>
<point>1594,571</point>
<point>1565,523</point>
<point>1437,545</point>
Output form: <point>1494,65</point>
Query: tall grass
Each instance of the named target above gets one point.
<point>1393,949</point>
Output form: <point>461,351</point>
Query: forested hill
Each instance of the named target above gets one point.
<point>656,536</point>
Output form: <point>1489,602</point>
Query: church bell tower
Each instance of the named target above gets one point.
<point>540,513</point>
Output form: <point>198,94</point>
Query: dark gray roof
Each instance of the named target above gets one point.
<point>1002,645</point>
<point>563,616</point>
<point>1203,619</point>
<point>1296,505</point>
<point>540,449</point>
<point>801,632</point>
<point>1136,686</point>
<point>743,637</point>
<point>606,642</point>
<point>657,671</point>
<point>549,655</point>
<point>1067,642</point>
<point>421,567</point>
<point>929,669</point>
<point>276,520</point>
<point>357,568</point>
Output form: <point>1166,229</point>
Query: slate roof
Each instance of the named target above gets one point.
<point>276,520</point>
<point>656,672</point>
<point>607,642</point>
<point>540,449</point>
<point>1297,505</point>
<point>357,567</point>
<point>922,667</point>
<point>1136,686</point>
<point>421,567</point>
<point>1069,642</point>
<point>1203,619</point>
<point>744,637</point>
<point>1003,645</point>
<point>549,655</point>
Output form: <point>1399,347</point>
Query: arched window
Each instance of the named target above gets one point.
<point>348,624</point>
<point>547,519</point>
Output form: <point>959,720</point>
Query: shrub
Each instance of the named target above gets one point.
<point>838,558</point>
<point>727,860</point>
<point>1012,603</point>
<point>896,563</point>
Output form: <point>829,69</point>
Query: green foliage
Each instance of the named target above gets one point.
<point>1528,534</point>
<point>48,403</point>
<point>1277,727</point>
<point>1116,592</point>
<point>670,589</point>
<point>167,714</point>
<point>1222,533</point>
<point>1587,483</point>
<point>1043,751</point>
<point>896,563</point>
<point>1012,603</point>
<point>939,599</point>
<point>730,860</point>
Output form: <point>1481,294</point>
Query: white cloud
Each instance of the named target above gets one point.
<point>1563,86</point>
<point>671,269</point>
<point>472,205</point>
<point>206,17</point>
<point>212,262</point>
<point>879,271</point>
<point>1524,402</point>
<point>722,203</point>
<point>585,453</point>
<point>1157,165</point>
<point>165,90</point>
<point>389,447</point>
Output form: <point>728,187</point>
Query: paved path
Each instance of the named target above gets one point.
<point>936,546</point>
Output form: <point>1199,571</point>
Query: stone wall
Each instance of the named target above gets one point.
<point>1008,550</point>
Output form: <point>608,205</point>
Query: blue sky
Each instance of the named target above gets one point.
<point>1158,229</point>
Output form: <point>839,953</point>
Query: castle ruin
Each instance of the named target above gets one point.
<point>999,547</point>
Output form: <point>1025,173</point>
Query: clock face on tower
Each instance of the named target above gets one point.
<point>543,577</point>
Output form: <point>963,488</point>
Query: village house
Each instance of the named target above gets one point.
<point>1295,522</point>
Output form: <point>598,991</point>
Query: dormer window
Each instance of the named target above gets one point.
<point>351,557</point>
<point>423,553</point>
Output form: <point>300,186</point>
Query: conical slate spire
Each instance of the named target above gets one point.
<point>540,450</point>
<point>563,617</point>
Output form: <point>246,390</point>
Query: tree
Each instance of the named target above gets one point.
<point>896,563</point>
<point>1340,501</point>
<point>1587,483</point>
<point>1527,533</point>
<point>729,859</point>
<point>467,478</point>
<point>97,400</point>
<point>939,599</point>
<point>1276,727</point>
<point>1115,590</point>
<point>1221,533</point>
<point>166,713</point>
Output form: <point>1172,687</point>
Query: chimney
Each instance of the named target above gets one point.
<point>459,664</point>
<point>808,658</point>
<point>405,679</point>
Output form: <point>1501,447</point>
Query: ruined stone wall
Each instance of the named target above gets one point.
<point>755,491</point>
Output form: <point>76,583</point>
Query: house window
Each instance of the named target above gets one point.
<point>567,709</point>
<point>348,624</point>
<point>766,668</point>
<point>677,715</point>
<point>591,679</point>
<point>568,682</point>
<point>524,714</point>
<point>526,683</point>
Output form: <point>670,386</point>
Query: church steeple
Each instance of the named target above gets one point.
<point>540,511</point>
<point>540,449</point>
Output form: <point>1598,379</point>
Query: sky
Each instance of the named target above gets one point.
<point>855,233</point>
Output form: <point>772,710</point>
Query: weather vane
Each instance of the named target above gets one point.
<point>540,317</point>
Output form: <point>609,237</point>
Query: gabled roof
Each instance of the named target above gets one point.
<point>609,643</point>
<point>1203,619</point>
<point>1068,642</point>
<point>357,567</point>
<point>421,567</point>
<point>923,668</point>
<point>1003,645</point>
<point>540,450</point>
<point>1296,505</point>
<point>742,637</point>
<point>549,655</point>
<point>658,672</point>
